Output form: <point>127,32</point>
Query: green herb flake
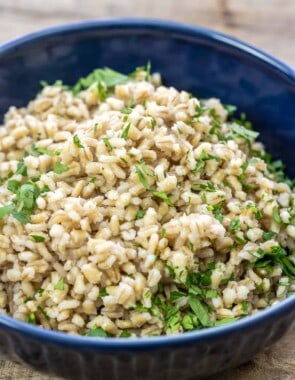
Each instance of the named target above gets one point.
<point>125,132</point>
<point>5,210</point>
<point>143,171</point>
<point>203,186</point>
<point>44,313</point>
<point>224,321</point>
<point>164,197</point>
<point>38,238</point>
<point>21,168</point>
<point>102,93</point>
<point>188,323</point>
<point>107,143</point>
<point>268,235</point>
<point>40,291</point>
<point>60,285</point>
<point>176,294</point>
<point>39,151</point>
<point>77,141</point>
<point>230,108</point>
<point>173,318</point>
<point>140,214</point>
<point>276,216</point>
<point>241,131</point>
<point>13,185</point>
<point>235,225</point>
<point>125,334</point>
<point>97,332</point>
<point>103,292</point>
<point>108,77</point>
<point>163,233</point>
<point>127,110</point>
<point>200,311</point>
<point>31,318</point>
<point>60,168</point>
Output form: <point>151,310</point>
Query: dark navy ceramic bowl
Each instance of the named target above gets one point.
<point>205,63</point>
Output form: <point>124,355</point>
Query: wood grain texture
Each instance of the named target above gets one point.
<point>268,24</point>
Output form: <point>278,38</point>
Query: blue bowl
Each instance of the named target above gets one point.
<point>205,63</point>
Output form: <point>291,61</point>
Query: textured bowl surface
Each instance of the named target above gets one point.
<point>205,63</point>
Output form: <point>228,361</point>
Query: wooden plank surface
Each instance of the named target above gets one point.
<point>268,24</point>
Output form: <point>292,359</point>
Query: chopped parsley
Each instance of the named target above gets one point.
<point>21,168</point>
<point>77,141</point>
<point>140,214</point>
<point>60,168</point>
<point>108,77</point>
<point>204,156</point>
<point>125,132</point>
<point>276,216</point>
<point>60,285</point>
<point>205,186</point>
<point>235,225</point>
<point>38,238</point>
<point>5,210</point>
<point>164,197</point>
<point>38,151</point>
<point>107,143</point>
<point>31,318</point>
<point>125,334</point>
<point>268,235</point>
<point>231,109</point>
<point>241,131</point>
<point>97,332</point>
<point>143,171</point>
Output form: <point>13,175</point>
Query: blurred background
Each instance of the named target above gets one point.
<point>268,24</point>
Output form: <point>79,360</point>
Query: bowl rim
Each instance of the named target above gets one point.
<point>143,343</point>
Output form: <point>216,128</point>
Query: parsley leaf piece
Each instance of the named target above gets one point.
<point>108,77</point>
<point>38,238</point>
<point>231,109</point>
<point>235,225</point>
<point>125,334</point>
<point>22,216</point>
<point>244,132</point>
<point>142,170</point>
<point>43,312</point>
<point>4,210</point>
<point>200,311</point>
<point>140,214</point>
<point>163,233</point>
<point>125,132</point>
<point>103,292</point>
<point>176,294</point>
<point>38,151</point>
<point>268,235</point>
<point>187,322</point>
<point>60,285</point>
<point>223,321</point>
<point>107,143</point>
<point>164,197</point>
<point>276,216</point>
<point>211,293</point>
<point>31,318</point>
<point>102,93</point>
<point>13,185</point>
<point>173,318</point>
<point>97,332</point>
<point>60,168</point>
<point>127,110</point>
<point>205,186</point>
<point>77,141</point>
<point>21,168</point>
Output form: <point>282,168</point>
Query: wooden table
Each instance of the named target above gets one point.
<point>268,24</point>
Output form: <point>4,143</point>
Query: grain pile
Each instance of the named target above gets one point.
<point>131,209</point>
